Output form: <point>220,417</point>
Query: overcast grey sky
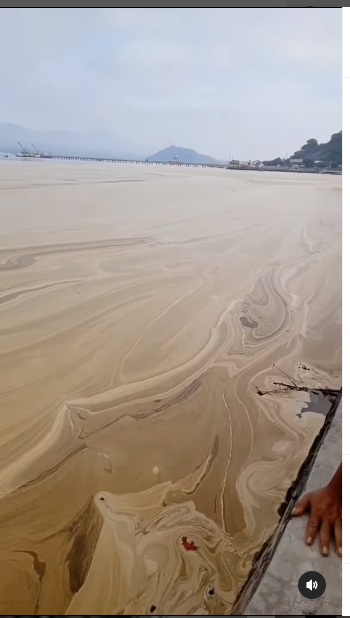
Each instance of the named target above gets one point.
<point>252,83</point>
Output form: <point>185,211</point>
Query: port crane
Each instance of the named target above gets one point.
<point>37,152</point>
<point>24,152</point>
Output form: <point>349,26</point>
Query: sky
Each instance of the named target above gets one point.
<point>247,83</point>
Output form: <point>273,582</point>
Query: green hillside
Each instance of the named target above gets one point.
<point>329,152</point>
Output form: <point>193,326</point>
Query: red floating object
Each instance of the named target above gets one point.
<point>188,545</point>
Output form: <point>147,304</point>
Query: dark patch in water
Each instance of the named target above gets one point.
<point>40,570</point>
<point>84,531</point>
<point>318,404</point>
<point>248,322</point>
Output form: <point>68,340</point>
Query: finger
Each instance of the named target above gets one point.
<point>325,538</point>
<point>302,507</point>
<point>338,537</point>
<point>312,528</point>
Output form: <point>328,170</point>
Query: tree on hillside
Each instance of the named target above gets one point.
<point>308,151</point>
<point>330,152</point>
<point>311,146</point>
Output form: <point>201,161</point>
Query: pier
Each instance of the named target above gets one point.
<point>116,160</point>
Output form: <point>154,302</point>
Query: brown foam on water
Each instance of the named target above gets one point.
<point>129,361</point>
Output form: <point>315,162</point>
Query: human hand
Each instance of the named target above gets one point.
<point>325,508</point>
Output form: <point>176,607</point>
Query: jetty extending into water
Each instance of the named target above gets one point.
<point>29,155</point>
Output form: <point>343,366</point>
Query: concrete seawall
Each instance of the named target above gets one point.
<point>273,585</point>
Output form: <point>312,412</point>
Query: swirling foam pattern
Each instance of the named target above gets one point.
<point>140,470</point>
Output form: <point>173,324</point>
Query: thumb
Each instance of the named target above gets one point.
<point>301,507</point>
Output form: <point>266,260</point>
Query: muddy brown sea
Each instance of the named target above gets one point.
<point>148,317</point>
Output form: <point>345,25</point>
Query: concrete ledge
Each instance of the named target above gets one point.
<point>278,591</point>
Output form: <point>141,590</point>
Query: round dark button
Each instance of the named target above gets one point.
<point>312,585</point>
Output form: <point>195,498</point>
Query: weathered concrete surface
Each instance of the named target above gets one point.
<point>278,590</point>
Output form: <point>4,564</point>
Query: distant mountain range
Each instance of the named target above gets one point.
<point>93,144</point>
<point>69,143</point>
<point>185,155</point>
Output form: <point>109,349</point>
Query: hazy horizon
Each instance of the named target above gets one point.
<point>248,83</point>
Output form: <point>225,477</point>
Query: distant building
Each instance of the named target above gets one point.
<point>235,164</point>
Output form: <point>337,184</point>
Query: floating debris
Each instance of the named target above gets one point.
<point>322,398</point>
<point>188,545</point>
